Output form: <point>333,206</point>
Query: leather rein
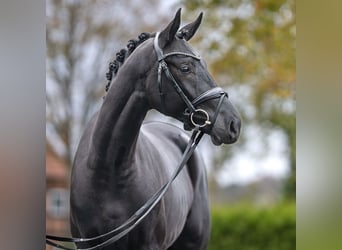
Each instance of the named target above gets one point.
<point>196,119</point>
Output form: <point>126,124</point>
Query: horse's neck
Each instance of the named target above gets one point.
<point>118,123</point>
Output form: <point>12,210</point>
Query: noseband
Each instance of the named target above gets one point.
<point>192,117</point>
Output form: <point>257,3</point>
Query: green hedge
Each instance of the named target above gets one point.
<point>249,228</point>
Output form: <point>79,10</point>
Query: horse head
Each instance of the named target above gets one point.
<point>179,85</point>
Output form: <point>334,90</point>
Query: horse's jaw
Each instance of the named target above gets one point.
<point>215,140</point>
<point>225,135</point>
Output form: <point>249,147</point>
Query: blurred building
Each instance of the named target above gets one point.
<point>57,195</point>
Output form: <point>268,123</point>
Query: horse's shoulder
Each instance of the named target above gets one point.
<point>168,134</point>
<point>164,129</point>
<point>162,125</point>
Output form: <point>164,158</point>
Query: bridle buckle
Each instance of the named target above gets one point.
<point>200,118</point>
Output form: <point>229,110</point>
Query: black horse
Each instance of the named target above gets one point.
<point>121,161</point>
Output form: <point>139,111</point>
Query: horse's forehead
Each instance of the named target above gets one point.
<point>180,46</point>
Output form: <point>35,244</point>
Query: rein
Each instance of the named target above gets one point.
<point>139,215</point>
<point>196,119</point>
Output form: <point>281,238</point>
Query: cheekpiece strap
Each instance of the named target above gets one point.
<point>157,47</point>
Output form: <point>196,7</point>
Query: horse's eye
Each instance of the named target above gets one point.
<point>185,68</point>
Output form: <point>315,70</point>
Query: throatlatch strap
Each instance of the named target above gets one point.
<point>163,67</point>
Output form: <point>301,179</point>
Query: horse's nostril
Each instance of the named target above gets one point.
<point>234,128</point>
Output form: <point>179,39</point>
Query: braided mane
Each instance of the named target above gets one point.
<point>121,56</point>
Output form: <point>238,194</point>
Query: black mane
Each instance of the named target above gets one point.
<point>121,56</point>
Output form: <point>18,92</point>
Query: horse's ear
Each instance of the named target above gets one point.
<point>168,34</point>
<point>189,30</point>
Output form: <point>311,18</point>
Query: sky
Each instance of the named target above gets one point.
<point>256,161</point>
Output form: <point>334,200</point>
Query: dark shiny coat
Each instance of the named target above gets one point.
<point>121,161</point>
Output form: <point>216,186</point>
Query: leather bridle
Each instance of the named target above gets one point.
<point>195,118</point>
<point>192,117</point>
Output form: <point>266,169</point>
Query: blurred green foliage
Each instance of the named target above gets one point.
<point>245,227</point>
<point>252,42</point>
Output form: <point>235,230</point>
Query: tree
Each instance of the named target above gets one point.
<point>81,38</point>
<point>252,43</point>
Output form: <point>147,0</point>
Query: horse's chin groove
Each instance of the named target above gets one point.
<point>216,141</point>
